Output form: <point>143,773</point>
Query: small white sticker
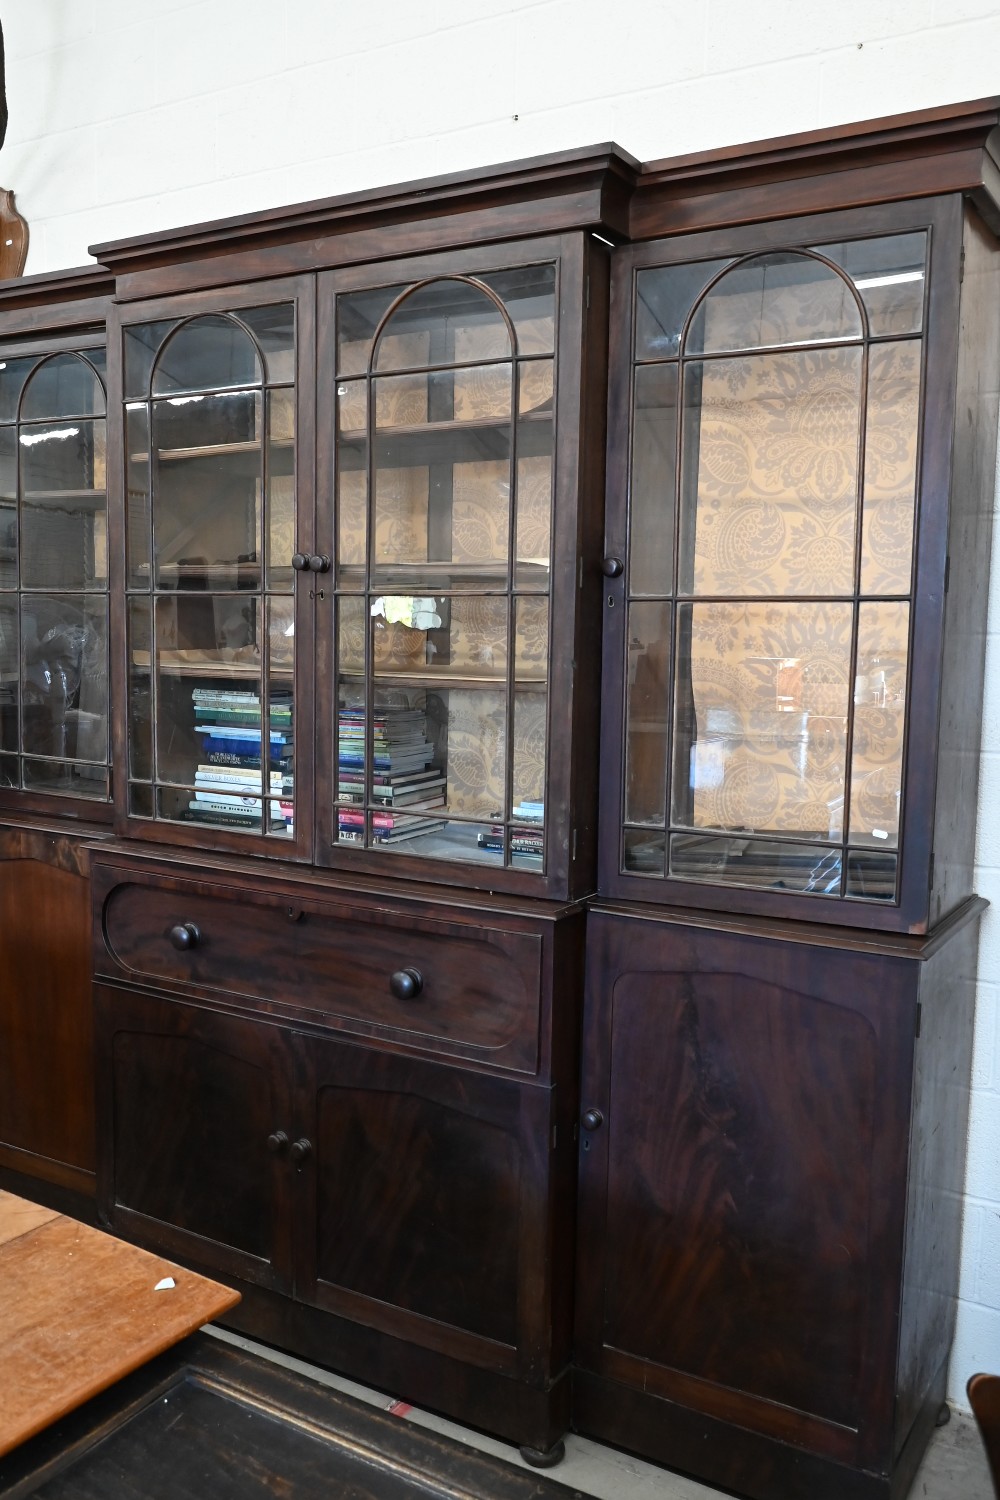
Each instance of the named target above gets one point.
<point>879,833</point>
<point>165,1285</point>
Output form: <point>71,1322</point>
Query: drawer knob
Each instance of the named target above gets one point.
<point>593,1119</point>
<point>300,1150</point>
<point>277,1141</point>
<point>406,984</point>
<point>184,936</point>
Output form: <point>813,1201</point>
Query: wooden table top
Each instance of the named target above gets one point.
<point>80,1309</point>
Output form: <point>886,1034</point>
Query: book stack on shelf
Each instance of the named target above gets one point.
<point>527,834</point>
<point>228,786</point>
<point>404,786</point>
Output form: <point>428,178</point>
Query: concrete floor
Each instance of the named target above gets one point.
<point>954,1467</point>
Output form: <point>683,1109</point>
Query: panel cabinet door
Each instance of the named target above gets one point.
<point>429,1204</point>
<point>195,1134</point>
<point>743,1178</point>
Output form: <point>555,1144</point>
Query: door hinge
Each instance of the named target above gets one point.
<point>961,266</point>
<point>919,1013</point>
<point>930,872</point>
<point>947,573</point>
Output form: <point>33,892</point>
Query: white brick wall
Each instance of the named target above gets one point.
<point>133,115</point>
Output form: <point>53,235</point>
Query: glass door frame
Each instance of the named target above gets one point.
<point>299,291</point>
<point>569,254</point>
<point>941,217</point>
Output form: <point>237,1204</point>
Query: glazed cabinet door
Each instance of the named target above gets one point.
<point>220,567</point>
<point>429,1204</point>
<point>778,525</point>
<point>456,503</point>
<point>195,1130</point>
<point>743,1153</point>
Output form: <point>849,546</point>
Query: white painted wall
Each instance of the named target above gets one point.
<point>133,115</point>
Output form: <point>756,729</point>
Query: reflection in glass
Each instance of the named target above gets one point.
<point>207,353</point>
<point>879,722</point>
<point>871,874</point>
<point>654,447</point>
<point>646,713</point>
<point>10,675</point>
<point>528,782</point>
<point>8,508</point>
<point>77,778</point>
<point>280,498</point>
<point>761,717</point>
<point>531,639</point>
<point>64,506</point>
<point>664,296</point>
<point>781,298</point>
<point>208,446</point>
<point>13,374</point>
<point>533,541</point>
<point>644,853</point>
<point>137,514</point>
<point>140,692</point>
<point>274,330</point>
<point>528,294</point>
<point>889,274</point>
<point>64,650</point>
<point>64,385</point>
<point>770,473</point>
<point>803,868</point>
<point>140,345</point>
<point>453,322</point>
<point>890,468</point>
<point>358,316</point>
<point>140,801</point>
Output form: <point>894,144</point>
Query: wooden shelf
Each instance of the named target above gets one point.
<point>196,663</point>
<point>441,677</point>
<point>97,498</point>
<point>425,443</point>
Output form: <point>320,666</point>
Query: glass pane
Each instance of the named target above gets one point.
<point>770,473</point>
<point>531,639</point>
<point>654,447</point>
<point>646,713</point>
<point>528,783</point>
<point>137,513</point>
<point>10,675</point>
<point>206,354</point>
<point>351,624</point>
<point>534,519</point>
<point>528,293</point>
<point>140,693</point>
<point>140,345</point>
<point>449,321</point>
<point>352,474</point>
<point>274,330</point>
<point>358,316</point>
<point>756,863</point>
<point>761,717</point>
<point>281,634</point>
<point>64,656</point>
<point>280,489</point>
<point>10,771</point>
<point>644,853</point>
<point>140,801</point>
<point>535,394</point>
<point>889,274</point>
<point>890,467</point>
<point>13,374</point>
<point>8,508</point>
<point>879,722</point>
<point>471,725</point>
<point>481,394</point>
<point>63,386</point>
<point>782,298</point>
<point>64,504</point>
<point>207,488</point>
<point>71,778</point>
<point>664,295</point>
<point>871,874</point>
<point>401,400</point>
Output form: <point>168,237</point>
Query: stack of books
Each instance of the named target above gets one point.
<point>527,834</point>
<point>228,785</point>
<point>404,787</point>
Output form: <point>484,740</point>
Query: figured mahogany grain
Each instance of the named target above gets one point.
<point>78,1311</point>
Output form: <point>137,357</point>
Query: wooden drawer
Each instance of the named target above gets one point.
<point>478,985</point>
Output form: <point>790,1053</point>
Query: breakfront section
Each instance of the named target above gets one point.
<point>798,523</point>
<point>55,761</point>
<point>213,394</point>
<point>463,596</point>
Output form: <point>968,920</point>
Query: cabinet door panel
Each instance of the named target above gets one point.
<point>738,1177</point>
<point>427,1191</point>
<point>191,1100</point>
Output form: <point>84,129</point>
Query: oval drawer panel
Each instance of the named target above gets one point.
<point>442,985</point>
